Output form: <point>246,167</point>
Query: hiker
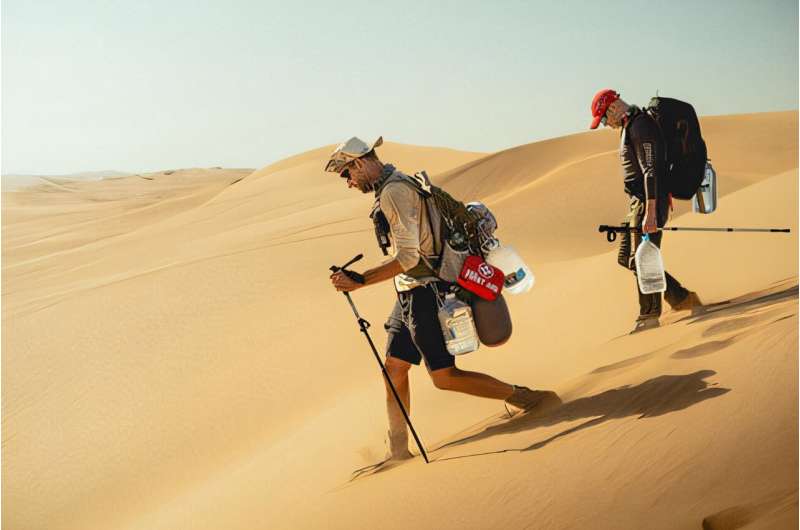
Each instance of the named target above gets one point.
<point>642,151</point>
<point>414,331</point>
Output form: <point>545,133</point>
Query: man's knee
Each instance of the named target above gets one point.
<point>397,369</point>
<point>444,378</point>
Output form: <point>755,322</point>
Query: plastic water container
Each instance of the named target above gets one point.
<point>458,327</point>
<point>705,200</point>
<point>650,267</point>
<point>519,278</point>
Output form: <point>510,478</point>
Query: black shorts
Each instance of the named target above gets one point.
<point>414,329</point>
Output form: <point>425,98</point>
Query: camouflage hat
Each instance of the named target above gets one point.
<point>350,150</point>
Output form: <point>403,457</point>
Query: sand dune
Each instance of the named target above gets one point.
<point>174,356</point>
<point>13,182</point>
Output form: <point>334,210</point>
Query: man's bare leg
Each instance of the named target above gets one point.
<point>482,385</point>
<point>474,383</point>
<point>398,432</point>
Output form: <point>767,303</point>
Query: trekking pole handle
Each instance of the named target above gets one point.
<point>611,231</point>
<point>356,277</point>
<point>356,258</point>
<point>623,228</point>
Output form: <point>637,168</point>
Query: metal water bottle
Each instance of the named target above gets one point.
<point>458,327</point>
<point>705,200</point>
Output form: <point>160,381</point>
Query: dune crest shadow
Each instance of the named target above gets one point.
<point>655,397</point>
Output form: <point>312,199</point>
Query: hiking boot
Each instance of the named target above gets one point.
<point>539,401</point>
<point>643,324</point>
<point>691,302</point>
<point>398,446</point>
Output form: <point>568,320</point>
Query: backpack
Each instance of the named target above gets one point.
<point>464,230</point>
<point>461,225</point>
<point>686,153</point>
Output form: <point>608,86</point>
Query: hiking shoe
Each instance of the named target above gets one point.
<point>691,302</point>
<point>539,401</point>
<point>643,324</point>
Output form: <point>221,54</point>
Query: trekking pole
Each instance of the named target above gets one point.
<point>611,231</point>
<point>364,325</point>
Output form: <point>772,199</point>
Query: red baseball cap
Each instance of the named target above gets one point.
<point>602,100</point>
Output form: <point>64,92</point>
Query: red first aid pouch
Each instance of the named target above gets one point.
<point>480,278</point>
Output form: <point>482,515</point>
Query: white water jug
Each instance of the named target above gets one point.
<point>518,276</point>
<point>650,267</point>
<point>458,327</point>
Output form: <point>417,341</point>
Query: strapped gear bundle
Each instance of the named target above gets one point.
<point>465,230</point>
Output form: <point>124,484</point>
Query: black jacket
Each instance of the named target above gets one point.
<point>642,152</point>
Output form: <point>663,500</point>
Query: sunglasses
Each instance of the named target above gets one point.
<point>604,119</point>
<point>346,167</point>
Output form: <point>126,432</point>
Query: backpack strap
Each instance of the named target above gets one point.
<point>421,183</point>
<point>651,114</point>
<point>382,230</point>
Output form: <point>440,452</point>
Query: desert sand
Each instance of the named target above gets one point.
<point>174,356</point>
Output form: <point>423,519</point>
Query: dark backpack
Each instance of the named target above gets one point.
<point>685,149</point>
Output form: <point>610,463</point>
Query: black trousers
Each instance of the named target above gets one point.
<point>649,304</point>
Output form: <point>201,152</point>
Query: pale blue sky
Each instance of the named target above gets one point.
<point>145,85</point>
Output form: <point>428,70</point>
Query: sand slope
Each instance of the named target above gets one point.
<point>174,357</point>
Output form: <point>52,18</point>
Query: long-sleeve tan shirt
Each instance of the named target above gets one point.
<point>411,231</point>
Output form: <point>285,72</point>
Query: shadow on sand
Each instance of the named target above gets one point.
<point>740,304</point>
<point>658,396</point>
